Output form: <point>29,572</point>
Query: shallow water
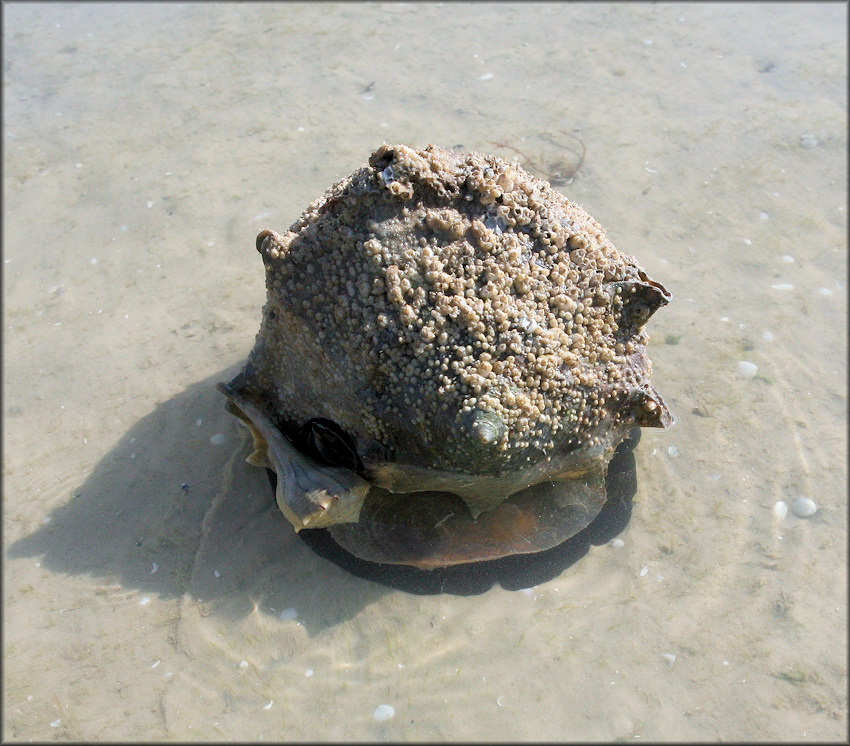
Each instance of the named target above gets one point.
<point>153,591</point>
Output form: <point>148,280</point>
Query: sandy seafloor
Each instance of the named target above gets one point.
<point>144,148</point>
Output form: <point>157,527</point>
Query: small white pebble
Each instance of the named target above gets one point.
<point>154,568</point>
<point>643,570</point>
<point>764,216</point>
<point>383,712</point>
<point>783,286</point>
<point>486,76</point>
<point>808,141</point>
<point>669,657</point>
<point>673,451</point>
<point>218,439</point>
<point>93,261</point>
<point>527,591</point>
<point>269,705</point>
<point>500,701</point>
<point>825,292</point>
<point>780,509</point>
<point>289,613</point>
<point>132,455</point>
<point>804,507</point>
<point>647,42</point>
<point>150,204</point>
<point>145,601</point>
<point>217,573</point>
<point>199,422</point>
<point>724,318</point>
<point>767,336</point>
<point>154,664</point>
<point>243,664</point>
<point>617,543</point>
<point>56,723</point>
<point>308,672</point>
<point>747,369</point>
<point>747,242</point>
<point>47,520</point>
<point>788,259</point>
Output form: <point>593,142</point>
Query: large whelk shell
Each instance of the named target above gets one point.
<point>449,355</point>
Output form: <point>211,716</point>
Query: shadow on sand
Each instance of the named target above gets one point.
<point>169,511</point>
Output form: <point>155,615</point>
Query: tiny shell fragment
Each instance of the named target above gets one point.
<point>804,507</point>
<point>747,369</point>
<point>383,712</point>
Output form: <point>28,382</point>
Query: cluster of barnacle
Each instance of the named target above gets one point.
<point>471,286</point>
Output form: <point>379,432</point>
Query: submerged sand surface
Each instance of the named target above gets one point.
<point>152,590</point>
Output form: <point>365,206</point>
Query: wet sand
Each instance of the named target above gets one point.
<point>153,591</point>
